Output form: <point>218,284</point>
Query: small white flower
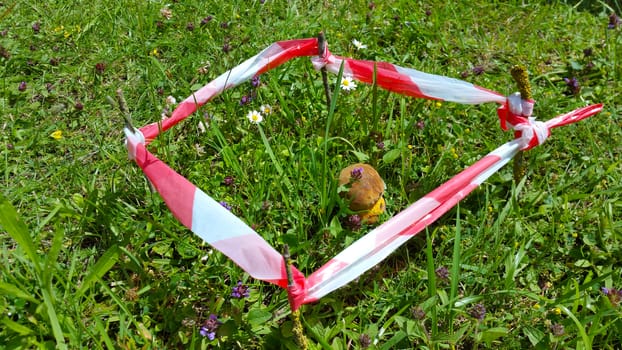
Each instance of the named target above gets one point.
<point>165,113</point>
<point>166,12</point>
<point>254,117</point>
<point>200,149</point>
<point>203,125</point>
<point>266,109</point>
<point>359,45</point>
<point>347,83</point>
<point>170,100</point>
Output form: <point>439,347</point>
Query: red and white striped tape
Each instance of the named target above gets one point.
<point>230,235</point>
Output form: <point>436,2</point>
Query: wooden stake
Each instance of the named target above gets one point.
<point>321,47</point>
<point>520,75</point>
<point>125,112</point>
<point>298,331</point>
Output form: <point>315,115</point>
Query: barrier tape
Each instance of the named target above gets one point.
<point>231,236</point>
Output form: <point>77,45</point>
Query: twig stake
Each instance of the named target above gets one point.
<point>123,108</point>
<point>321,47</point>
<point>298,331</point>
<point>519,73</point>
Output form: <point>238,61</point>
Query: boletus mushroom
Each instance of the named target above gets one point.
<point>365,191</point>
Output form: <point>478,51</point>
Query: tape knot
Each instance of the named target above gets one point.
<point>132,139</point>
<point>515,114</point>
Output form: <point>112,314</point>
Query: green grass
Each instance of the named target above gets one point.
<point>91,258</point>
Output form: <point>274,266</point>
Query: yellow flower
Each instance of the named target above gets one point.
<point>536,307</point>
<point>557,311</point>
<point>155,52</point>
<point>57,135</point>
<point>438,104</point>
<point>453,153</point>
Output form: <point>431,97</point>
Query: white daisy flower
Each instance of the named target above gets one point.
<point>347,83</point>
<point>254,117</point>
<point>359,45</point>
<point>266,109</point>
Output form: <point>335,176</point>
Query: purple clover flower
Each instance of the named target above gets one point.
<point>614,295</point>
<point>418,313</point>
<point>557,329</point>
<point>442,273</point>
<point>4,52</point>
<point>256,81</point>
<point>225,205</point>
<point>228,180</point>
<point>478,70</point>
<point>246,99</point>
<point>240,291</point>
<point>354,222</point>
<point>209,327</point>
<point>356,173</point>
<point>614,21</point>
<point>206,20</point>
<point>573,85</point>
<point>364,340</point>
<point>22,86</point>
<point>478,311</point>
<point>100,67</point>
<point>588,52</point>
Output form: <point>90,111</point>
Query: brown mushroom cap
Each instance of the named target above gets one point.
<point>365,192</point>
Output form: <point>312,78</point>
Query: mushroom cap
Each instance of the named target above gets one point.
<point>365,192</point>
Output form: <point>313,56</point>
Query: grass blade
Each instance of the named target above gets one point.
<point>580,327</point>
<point>18,231</point>
<point>431,279</point>
<point>54,323</point>
<point>8,289</point>
<point>331,112</point>
<point>105,263</point>
<point>15,327</point>
<point>455,269</point>
<point>52,255</point>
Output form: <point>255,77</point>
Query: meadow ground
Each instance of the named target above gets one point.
<point>99,262</point>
